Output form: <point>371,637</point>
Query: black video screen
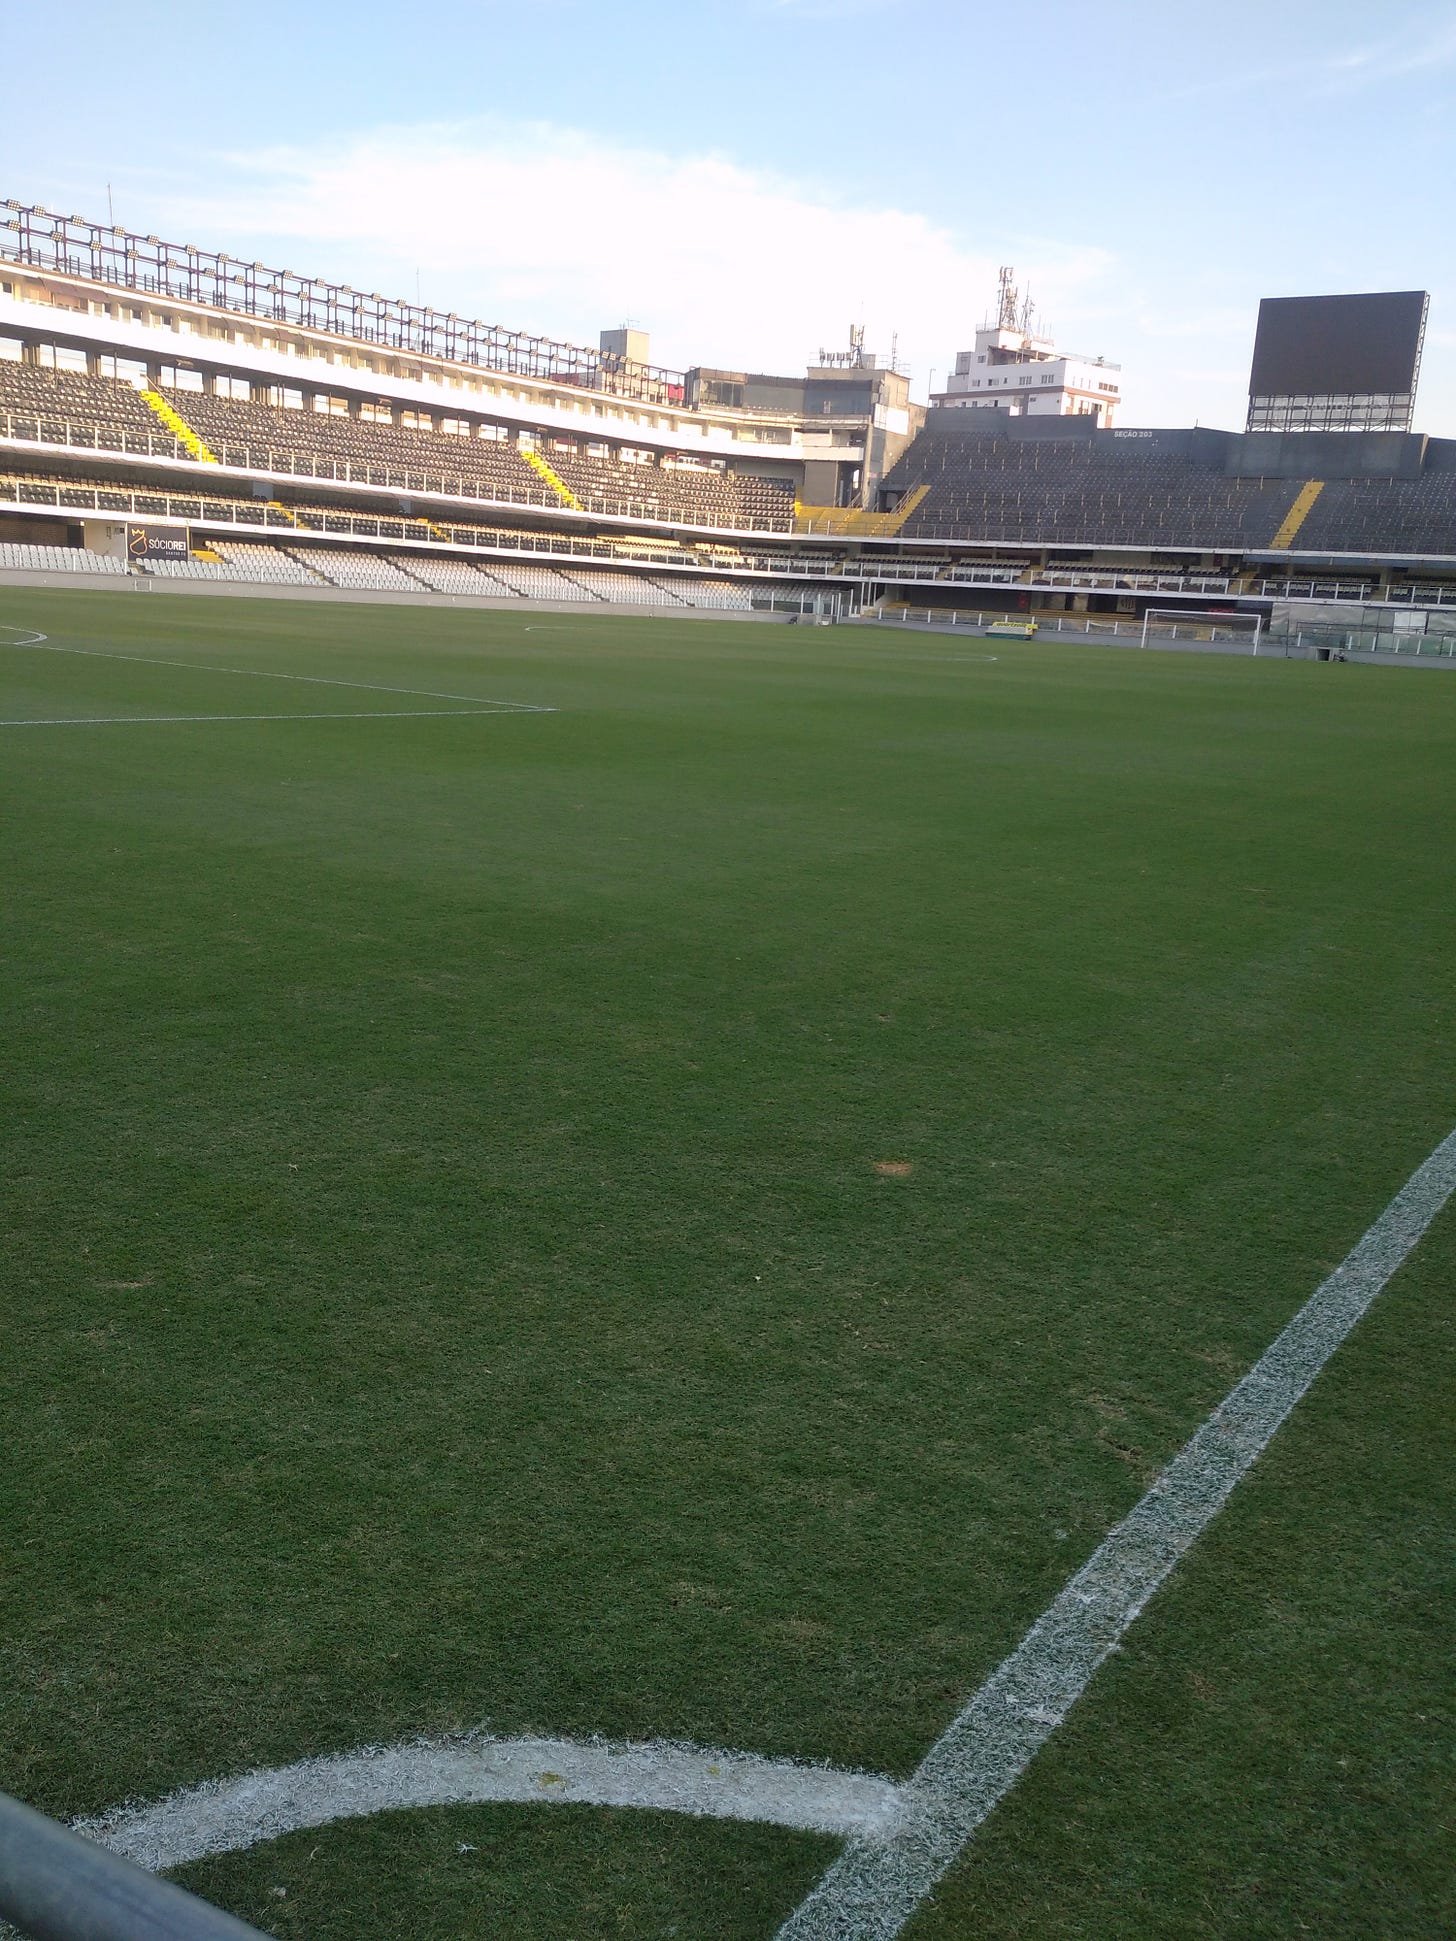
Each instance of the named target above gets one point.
<point>1318,346</point>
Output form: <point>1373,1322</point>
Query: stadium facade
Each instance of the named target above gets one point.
<point>174,415</point>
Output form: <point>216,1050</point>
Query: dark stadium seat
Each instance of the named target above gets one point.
<point>1081,492</point>
<point>67,407</point>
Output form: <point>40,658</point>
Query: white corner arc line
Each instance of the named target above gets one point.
<point>267,674</point>
<point>30,640</point>
<point>882,1875</point>
<point>225,1816</point>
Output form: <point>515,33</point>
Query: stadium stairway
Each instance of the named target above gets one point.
<point>852,523</point>
<point>662,585</point>
<point>319,578</point>
<point>179,427</point>
<point>575,579</point>
<point>558,485</point>
<point>1297,514</point>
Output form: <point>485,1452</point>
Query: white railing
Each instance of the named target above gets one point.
<point>44,428</point>
<point>253,516</point>
<point>1082,626</point>
<point>1365,594</point>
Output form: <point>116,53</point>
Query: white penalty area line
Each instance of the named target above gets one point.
<point>882,1876</point>
<point>484,701</point>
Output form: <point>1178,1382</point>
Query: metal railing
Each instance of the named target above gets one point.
<point>56,1886</point>
<point>181,273</point>
<point>253,518</point>
<point>50,428</point>
<point>1082,626</point>
<point>1366,594</point>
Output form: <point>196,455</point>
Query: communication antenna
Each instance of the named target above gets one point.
<point>850,359</point>
<point>1007,300</point>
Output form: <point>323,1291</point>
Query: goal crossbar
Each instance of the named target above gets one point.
<point>1192,626</point>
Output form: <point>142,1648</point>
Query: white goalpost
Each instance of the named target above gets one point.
<point>1202,626</point>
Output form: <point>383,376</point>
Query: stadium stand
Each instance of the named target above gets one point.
<point>452,576</point>
<point>1179,489</point>
<point>1384,516</point>
<point>703,497</point>
<point>304,474</point>
<point>539,582</point>
<point>190,569</point>
<point>24,558</point>
<point>355,569</point>
<point>57,407</point>
<point>1079,492</point>
<point>269,564</point>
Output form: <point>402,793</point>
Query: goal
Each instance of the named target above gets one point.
<point>1193,627</point>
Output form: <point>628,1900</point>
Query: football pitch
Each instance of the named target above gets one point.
<point>596,1179</point>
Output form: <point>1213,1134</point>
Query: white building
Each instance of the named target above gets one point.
<point>1016,370</point>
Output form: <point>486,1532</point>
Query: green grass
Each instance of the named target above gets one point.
<point>452,1284</point>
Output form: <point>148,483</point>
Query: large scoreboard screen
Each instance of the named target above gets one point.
<point>1338,346</point>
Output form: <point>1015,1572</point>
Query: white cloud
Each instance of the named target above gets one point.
<point>1426,45</point>
<point>1413,52</point>
<point>553,230</point>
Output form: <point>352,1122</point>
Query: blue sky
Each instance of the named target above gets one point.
<point>748,180</point>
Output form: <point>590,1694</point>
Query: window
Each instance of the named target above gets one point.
<point>58,357</point>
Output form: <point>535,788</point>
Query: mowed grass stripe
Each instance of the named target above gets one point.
<point>454,1261</point>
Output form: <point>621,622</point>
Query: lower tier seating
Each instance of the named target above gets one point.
<point>24,558</point>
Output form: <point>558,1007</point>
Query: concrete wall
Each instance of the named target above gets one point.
<point>1328,455</point>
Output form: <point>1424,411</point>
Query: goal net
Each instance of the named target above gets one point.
<point>1192,627</point>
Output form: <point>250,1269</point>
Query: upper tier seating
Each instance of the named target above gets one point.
<point>45,402</point>
<point>699,496</point>
<point>263,438</point>
<point>1108,491</point>
<point>1070,492</point>
<point>406,458</point>
<point>1384,516</point>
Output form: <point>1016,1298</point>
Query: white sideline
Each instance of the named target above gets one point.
<point>224,1816</point>
<point>265,674</point>
<point>882,1876</point>
<point>353,714</point>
